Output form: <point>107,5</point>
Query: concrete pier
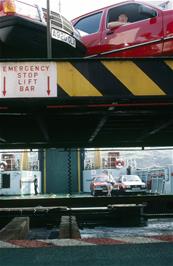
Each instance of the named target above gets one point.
<point>18,228</point>
<point>68,227</point>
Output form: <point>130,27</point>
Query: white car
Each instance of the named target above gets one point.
<point>130,183</point>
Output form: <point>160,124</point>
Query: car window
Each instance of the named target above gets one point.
<point>132,178</point>
<point>89,25</point>
<point>100,179</point>
<point>135,12</point>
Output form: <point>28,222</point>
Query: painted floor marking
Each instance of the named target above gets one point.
<point>68,242</point>
<point>4,244</point>
<point>48,243</point>
<point>137,240</point>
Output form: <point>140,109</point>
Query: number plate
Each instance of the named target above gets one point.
<point>135,189</point>
<point>64,37</point>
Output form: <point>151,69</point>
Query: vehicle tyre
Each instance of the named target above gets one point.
<point>93,193</point>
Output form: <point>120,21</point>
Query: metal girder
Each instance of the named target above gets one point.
<point>98,128</point>
<point>99,103</point>
<point>43,128</point>
<point>82,126</point>
<point>156,129</point>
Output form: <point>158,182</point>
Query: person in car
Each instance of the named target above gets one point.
<point>122,20</point>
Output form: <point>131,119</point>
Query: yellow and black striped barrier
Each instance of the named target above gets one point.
<point>117,78</point>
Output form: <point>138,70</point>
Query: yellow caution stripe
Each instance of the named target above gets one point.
<point>72,81</point>
<point>169,63</point>
<point>133,78</point>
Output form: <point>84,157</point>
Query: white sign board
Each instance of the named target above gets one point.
<point>28,80</point>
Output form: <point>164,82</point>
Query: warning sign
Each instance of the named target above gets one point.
<point>28,80</point>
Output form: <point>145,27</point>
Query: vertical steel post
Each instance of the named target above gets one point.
<point>49,42</point>
<point>70,189</point>
<point>44,172</point>
<point>79,169</point>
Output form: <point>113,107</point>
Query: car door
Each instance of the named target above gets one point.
<point>90,29</point>
<point>168,32</point>
<point>141,36</point>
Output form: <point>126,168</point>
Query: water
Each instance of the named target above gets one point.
<point>154,228</point>
<point>43,233</point>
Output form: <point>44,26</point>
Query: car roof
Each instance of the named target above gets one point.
<point>116,4</point>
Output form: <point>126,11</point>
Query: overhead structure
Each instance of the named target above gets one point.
<point>86,103</point>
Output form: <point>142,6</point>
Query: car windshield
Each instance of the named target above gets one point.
<point>131,178</point>
<point>100,179</point>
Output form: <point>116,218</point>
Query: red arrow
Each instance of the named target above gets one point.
<point>48,85</point>
<point>4,87</point>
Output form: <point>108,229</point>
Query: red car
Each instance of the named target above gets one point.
<point>148,31</point>
<point>100,185</point>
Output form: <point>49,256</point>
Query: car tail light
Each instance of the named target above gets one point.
<point>9,7</point>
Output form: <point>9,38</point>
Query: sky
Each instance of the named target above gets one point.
<point>74,8</point>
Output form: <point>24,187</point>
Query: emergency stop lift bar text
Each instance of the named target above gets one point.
<point>28,80</point>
